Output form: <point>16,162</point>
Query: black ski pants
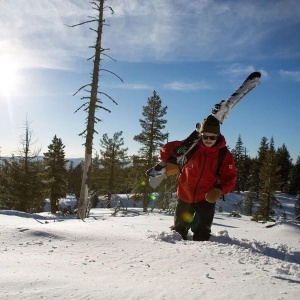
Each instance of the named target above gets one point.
<point>196,216</point>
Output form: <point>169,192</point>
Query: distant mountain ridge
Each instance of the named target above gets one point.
<point>76,161</point>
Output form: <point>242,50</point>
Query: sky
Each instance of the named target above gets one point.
<point>192,53</point>
<point>137,256</point>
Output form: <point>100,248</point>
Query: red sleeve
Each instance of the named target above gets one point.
<point>168,149</point>
<point>228,174</point>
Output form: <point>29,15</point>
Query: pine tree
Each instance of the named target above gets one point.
<point>25,190</point>
<point>135,180</point>
<point>243,164</point>
<point>17,184</point>
<point>284,167</point>
<point>257,165</point>
<point>4,198</point>
<point>113,158</point>
<point>253,182</point>
<point>246,172</point>
<point>263,150</point>
<point>55,172</point>
<point>249,203</point>
<point>237,154</point>
<point>151,138</point>
<point>297,206</point>
<point>165,192</point>
<point>268,185</point>
<point>74,179</point>
<point>295,178</point>
<point>96,174</point>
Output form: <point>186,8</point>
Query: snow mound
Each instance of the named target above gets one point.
<point>280,251</point>
<point>170,237</point>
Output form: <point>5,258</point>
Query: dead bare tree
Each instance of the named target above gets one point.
<point>92,102</point>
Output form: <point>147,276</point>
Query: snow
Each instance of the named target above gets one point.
<point>136,256</point>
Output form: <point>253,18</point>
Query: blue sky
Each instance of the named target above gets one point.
<point>193,53</point>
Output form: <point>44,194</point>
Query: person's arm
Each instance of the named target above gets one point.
<point>228,174</point>
<point>167,151</point>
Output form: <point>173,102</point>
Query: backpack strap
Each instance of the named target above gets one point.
<point>221,156</point>
<point>186,157</point>
<point>222,153</point>
<point>190,153</point>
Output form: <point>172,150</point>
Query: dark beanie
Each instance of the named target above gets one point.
<point>211,125</point>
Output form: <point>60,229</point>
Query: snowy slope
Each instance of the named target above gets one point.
<point>136,256</point>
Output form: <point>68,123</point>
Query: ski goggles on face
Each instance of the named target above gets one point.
<point>210,137</point>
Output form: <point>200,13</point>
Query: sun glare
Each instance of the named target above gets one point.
<point>8,75</point>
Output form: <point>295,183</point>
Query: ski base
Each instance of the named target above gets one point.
<point>154,182</point>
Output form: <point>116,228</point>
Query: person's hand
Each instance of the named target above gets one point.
<point>213,195</point>
<point>172,169</point>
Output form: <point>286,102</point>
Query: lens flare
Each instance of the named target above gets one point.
<point>8,75</point>
<point>187,217</point>
<point>152,197</point>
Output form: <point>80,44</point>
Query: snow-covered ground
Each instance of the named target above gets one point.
<point>136,256</point>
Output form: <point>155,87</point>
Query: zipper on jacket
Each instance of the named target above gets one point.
<point>200,176</point>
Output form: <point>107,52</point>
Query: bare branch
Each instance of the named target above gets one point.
<point>112,73</point>
<point>109,97</point>
<point>82,88</point>
<point>112,11</point>
<point>86,103</point>
<point>99,100</point>
<point>82,23</point>
<point>96,4</point>
<point>93,29</point>
<point>83,132</point>
<point>102,107</point>
<point>94,18</point>
<point>109,57</point>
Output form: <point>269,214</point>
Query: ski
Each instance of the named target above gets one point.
<point>220,111</point>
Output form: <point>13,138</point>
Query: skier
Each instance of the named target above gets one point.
<point>199,185</point>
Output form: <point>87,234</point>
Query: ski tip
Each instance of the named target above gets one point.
<point>254,75</point>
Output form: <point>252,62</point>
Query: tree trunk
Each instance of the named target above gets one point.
<point>82,205</point>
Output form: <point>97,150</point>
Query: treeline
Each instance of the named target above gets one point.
<point>26,180</point>
<point>270,171</point>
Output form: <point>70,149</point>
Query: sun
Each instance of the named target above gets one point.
<point>8,75</point>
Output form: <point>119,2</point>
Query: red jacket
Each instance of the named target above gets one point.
<point>198,176</point>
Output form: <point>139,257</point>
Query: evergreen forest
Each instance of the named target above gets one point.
<point>30,177</point>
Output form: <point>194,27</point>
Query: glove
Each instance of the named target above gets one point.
<point>172,169</point>
<point>213,195</point>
